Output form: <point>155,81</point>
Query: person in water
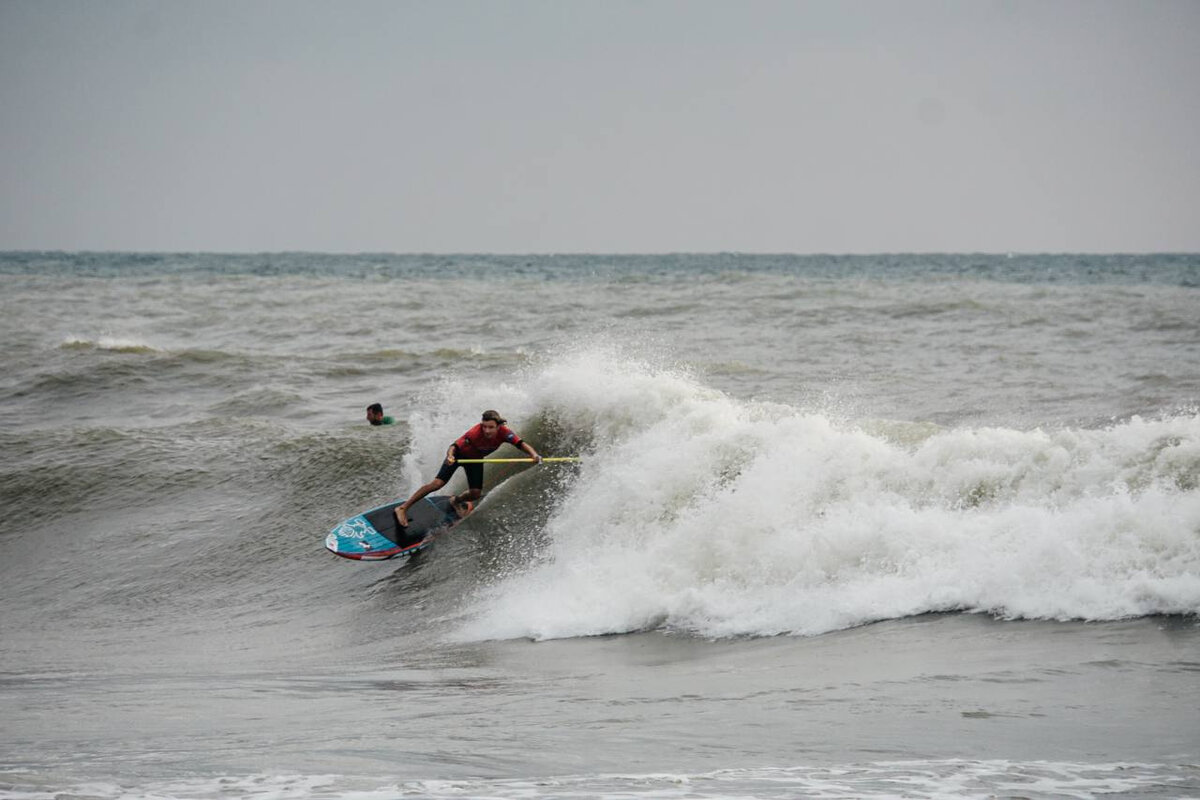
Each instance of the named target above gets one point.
<point>484,438</point>
<point>375,415</point>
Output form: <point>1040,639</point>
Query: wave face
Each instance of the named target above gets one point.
<point>775,444</point>
<point>698,512</point>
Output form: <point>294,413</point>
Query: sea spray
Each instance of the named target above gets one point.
<point>699,512</point>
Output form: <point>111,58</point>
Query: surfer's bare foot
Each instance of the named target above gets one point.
<point>401,518</point>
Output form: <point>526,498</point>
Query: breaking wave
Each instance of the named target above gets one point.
<point>721,517</point>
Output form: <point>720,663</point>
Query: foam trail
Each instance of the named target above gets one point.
<point>111,343</point>
<point>721,517</point>
<point>919,779</point>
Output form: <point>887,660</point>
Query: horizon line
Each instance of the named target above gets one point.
<point>607,253</point>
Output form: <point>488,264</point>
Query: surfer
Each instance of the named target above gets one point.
<point>484,438</point>
<point>375,415</point>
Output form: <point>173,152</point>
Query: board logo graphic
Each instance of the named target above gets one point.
<point>356,528</point>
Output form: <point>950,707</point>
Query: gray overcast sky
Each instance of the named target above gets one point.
<point>615,126</point>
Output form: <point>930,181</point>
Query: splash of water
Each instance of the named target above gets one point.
<point>722,517</point>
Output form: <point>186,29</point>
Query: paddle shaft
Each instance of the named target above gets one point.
<point>511,460</point>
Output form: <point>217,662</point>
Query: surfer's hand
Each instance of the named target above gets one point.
<point>537,459</point>
<point>449,458</point>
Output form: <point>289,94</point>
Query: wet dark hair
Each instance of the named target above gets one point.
<point>376,408</point>
<point>494,416</point>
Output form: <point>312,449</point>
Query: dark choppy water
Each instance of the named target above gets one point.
<point>799,473</point>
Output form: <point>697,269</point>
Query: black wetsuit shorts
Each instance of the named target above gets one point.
<point>474,473</point>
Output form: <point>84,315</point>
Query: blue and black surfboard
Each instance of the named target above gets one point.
<point>374,535</point>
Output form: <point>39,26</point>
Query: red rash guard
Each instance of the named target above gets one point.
<point>473,444</point>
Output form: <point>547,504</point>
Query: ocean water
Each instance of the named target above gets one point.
<point>886,526</point>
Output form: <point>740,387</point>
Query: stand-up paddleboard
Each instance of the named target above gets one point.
<point>374,536</point>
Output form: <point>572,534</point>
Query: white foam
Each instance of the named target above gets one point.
<point>914,779</point>
<point>115,344</point>
<point>722,517</point>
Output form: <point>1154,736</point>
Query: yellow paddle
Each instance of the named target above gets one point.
<point>512,460</point>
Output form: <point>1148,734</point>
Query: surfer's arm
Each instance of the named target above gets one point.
<point>528,448</point>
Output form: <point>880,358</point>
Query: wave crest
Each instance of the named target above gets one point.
<point>721,517</point>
